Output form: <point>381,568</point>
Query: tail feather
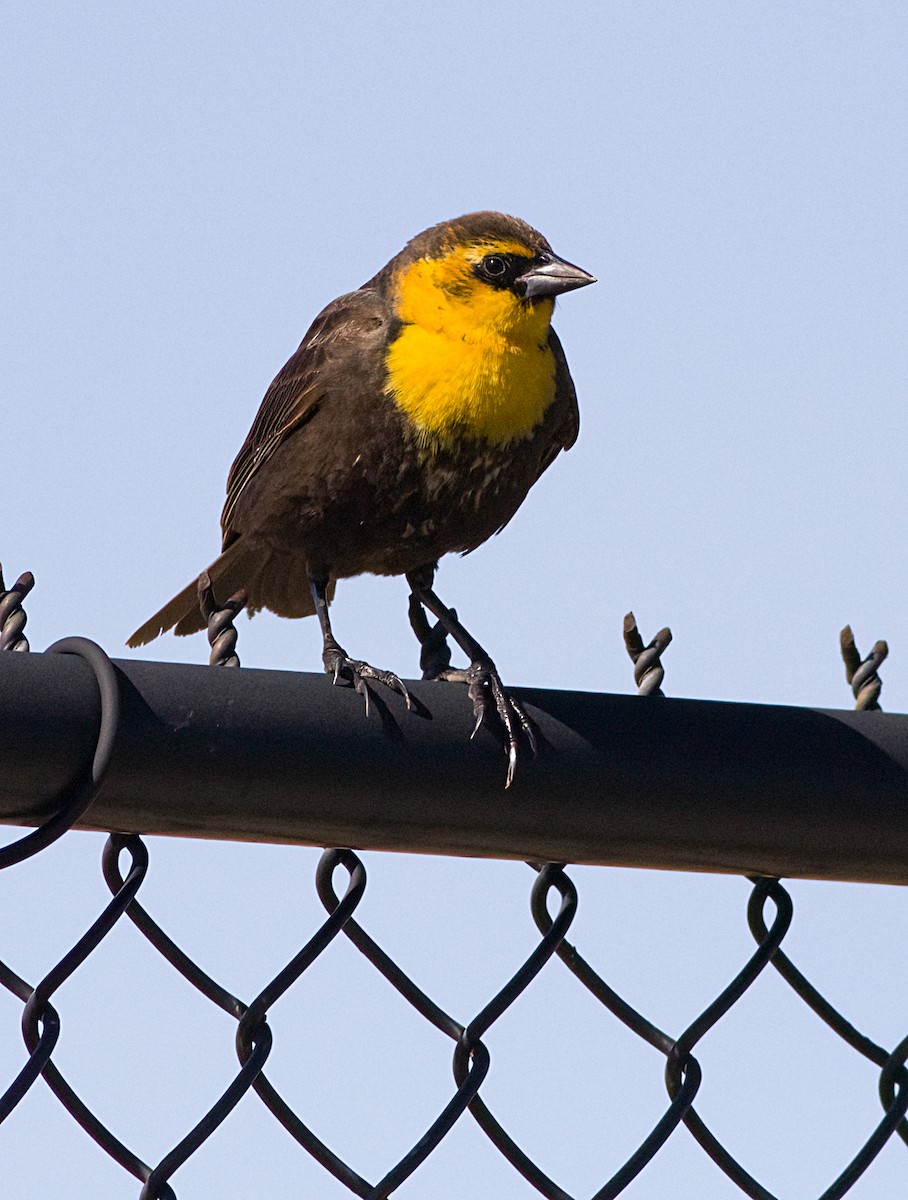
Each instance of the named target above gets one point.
<point>236,568</point>
<point>282,586</point>
<point>279,583</point>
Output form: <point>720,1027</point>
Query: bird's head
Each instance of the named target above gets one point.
<point>484,274</point>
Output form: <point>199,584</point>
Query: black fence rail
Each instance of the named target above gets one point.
<point>147,748</point>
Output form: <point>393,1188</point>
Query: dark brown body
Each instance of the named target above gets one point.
<point>352,489</point>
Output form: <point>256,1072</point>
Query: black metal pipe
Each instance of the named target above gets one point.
<point>624,780</point>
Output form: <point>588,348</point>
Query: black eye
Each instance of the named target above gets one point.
<point>494,266</point>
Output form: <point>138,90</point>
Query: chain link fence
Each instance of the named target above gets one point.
<point>341,885</point>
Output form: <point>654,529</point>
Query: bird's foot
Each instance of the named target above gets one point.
<point>353,672</point>
<point>489,696</point>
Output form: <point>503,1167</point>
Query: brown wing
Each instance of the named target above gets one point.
<point>294,394</point>
<point>565,401</point>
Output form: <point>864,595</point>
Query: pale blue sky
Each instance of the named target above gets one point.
<point>183,188</point>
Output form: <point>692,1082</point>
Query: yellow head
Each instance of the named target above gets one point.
<point>474,298</point>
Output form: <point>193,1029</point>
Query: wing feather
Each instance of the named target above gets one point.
<point>294,394</point>
<point>565,394</point>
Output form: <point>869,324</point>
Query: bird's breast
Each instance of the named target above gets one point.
<point>488,387</point>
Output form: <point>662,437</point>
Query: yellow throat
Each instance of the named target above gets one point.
<point>471,359</point>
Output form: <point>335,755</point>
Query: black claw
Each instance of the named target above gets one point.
<point>526,724</point>
<point>512,766</point>
<point>529,733</point>
<point>353,671</point>
<point>488,694</point>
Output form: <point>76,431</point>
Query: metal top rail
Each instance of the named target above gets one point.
<point>622,780</point>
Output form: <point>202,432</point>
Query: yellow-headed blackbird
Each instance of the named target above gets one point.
<point>411,422</point>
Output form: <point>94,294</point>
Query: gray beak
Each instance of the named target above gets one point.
<point>551,276</point>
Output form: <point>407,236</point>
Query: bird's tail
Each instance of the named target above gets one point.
<point>234,569</point>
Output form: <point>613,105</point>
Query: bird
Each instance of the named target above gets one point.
<point>411,422</point>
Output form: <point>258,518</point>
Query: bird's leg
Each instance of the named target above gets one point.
<point>485,687</point>
<point>338,662</point>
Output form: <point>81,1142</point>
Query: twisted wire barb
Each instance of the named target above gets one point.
<point>434,651</point>
<point>648,669</point>
<point>863,674</point>
<point>12,614</point>
<point>219,618</point>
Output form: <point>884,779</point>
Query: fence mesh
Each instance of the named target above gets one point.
<point>341,884</point>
